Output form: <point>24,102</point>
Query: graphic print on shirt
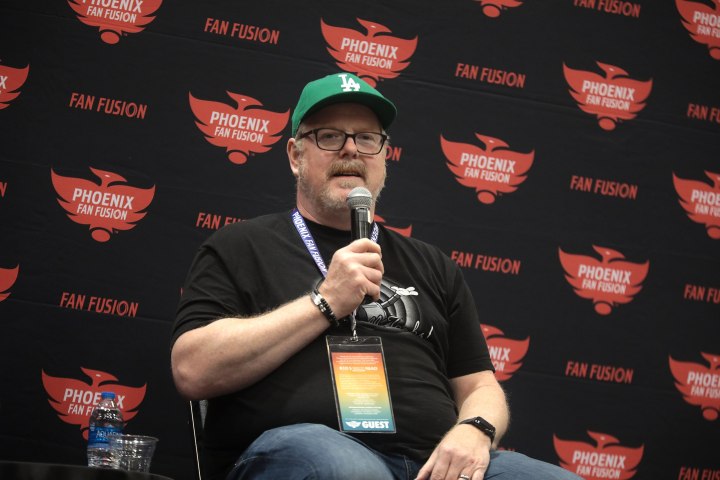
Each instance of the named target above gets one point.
<point>395,309</point>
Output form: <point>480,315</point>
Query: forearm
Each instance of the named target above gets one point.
<point>484,397</point>
<point>233,353</point>
<point>465,449</point>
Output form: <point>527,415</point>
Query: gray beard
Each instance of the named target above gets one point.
<point>325,202</point>
<point>323,199</point>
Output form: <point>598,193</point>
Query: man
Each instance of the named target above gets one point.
<point>263,315</point>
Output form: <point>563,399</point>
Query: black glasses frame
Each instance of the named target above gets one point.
<point>347,135</point>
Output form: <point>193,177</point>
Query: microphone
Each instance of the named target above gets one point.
<point>360,200</point>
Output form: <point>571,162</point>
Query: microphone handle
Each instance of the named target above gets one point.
<point>360,228</point>
<point>359,223</point>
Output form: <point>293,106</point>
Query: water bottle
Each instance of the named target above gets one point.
<point>105,420</point>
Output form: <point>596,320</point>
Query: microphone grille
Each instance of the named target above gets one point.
<point>359,197</point>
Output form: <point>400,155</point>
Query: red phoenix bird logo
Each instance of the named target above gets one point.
<point>701,201</point>
<point>118,18</point>
<point>491,171</point>
<point>11,79</point>
<point>405,232</point>
<point>107,207</point>
<point>242,129</point>
<point>703,23</point>
<point>607,282</point>
<point>608,459</point>
<point>699,384</point>
<point>505,353</point>
<point>7,280</point>
<point>371,56</point>
<point>74,399</point>
<point>612,98</point>
<point>493,8</point>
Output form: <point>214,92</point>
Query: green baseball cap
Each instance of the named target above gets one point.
<point>338,88</point>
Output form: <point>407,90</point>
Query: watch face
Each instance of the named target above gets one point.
<point>483,425</point>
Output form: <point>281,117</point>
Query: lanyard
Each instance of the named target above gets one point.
<point>312,247</point>
<point>309,241</point>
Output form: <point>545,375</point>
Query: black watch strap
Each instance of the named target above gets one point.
<point>482,425</point>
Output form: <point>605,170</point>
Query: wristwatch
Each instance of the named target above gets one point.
<point>482,425</point>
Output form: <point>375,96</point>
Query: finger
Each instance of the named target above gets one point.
<point>426,470</point>
<point>441,469</point>
<point>364,245</point>
<point>346,259</point>
<point>370,259</point>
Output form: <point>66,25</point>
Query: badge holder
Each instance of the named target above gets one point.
<point>359,378</point>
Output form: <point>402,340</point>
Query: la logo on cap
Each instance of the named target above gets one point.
<point>348,84</point>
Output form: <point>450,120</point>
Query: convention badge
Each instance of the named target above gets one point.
<point>359,378</point>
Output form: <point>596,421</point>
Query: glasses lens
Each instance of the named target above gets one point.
<point>366,142</point>
<point>330,139</point>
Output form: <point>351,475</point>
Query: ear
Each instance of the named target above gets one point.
<point>293,153</point>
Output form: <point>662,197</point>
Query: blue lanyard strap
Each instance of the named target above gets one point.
<point>309,241</point>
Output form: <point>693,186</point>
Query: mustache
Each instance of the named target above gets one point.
<point>354,168</point>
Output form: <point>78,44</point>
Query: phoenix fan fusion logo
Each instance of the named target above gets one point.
<point>115,18</point>
<point>11,80</point>
<point>74,399</point>
<point>491,171</point>
<point>703,23</point>
<point>493,8</point>
<point>701,201</point>
<point>699,384</point>
<point>373,55</point>
<point>611,98</point>
<point>608,282</point>
<point>243,129</point>
<point>607,459</point>
<point>8,276</point>
<point>107,207</point>
<point>506,354</point>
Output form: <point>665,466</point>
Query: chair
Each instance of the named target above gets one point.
<point>198,410</point>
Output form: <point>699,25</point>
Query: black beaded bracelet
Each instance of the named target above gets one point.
<point>323,306</point>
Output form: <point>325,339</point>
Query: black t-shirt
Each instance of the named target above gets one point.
<point>255,266</point>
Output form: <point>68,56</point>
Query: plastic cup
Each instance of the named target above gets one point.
<point>135,452</point>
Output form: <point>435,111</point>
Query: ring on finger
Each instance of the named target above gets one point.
<point>463,477</point>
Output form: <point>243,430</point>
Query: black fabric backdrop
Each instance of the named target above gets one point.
<point>550,342</point>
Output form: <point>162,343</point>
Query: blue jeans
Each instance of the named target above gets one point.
<point>316,452</point>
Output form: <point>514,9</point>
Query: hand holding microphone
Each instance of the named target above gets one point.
<point>359,201</point>
<point>355,272</point>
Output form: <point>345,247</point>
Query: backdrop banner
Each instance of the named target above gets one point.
<point>564,153</point>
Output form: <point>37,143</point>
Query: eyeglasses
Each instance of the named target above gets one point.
<point>368,143</point>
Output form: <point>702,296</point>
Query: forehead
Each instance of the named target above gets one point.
<point>346,116</point>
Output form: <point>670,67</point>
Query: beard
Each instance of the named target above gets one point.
<point>326,197</point>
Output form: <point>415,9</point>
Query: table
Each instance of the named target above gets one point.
<point>10,470</point>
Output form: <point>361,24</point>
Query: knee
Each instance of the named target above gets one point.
<point>295,438</point>
<point>516,466</point>
<point>309,451</point>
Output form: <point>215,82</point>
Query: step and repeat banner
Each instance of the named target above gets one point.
<point>565,153</point>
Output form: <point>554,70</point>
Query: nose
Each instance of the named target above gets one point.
<point>349,145</point>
